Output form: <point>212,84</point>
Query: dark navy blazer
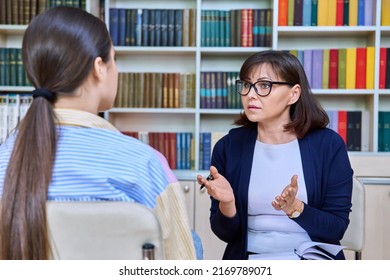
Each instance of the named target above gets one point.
<point>328,177</point>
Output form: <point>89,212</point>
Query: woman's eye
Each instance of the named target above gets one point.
<point>247,85</point>
<point>264,85</point>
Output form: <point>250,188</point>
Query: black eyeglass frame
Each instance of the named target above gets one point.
<point>271,83</point>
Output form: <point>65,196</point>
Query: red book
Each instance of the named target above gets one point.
<point>283,12</point>
<point>172,154</point>
<point>244,28</point>
<point>340,13</point>
<point>333,68</point>
<point>342,125</point>
<point>361,60</point>
<point>250,27</point>
<point>382,67</point>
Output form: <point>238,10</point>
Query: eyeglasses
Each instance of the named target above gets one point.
<point>262,88</point>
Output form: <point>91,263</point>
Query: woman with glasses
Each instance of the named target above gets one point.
<point>281,178</point>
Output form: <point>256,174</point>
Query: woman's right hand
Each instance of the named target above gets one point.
<point>219,188</point>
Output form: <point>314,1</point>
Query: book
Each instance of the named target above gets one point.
<point>316,74</point>
<point>361,60</point>
<point>307,65</point>
<point>350,78</point>
<point>342,125</point>
<point>342,56</point>
<point>282,12</point>
<point>368,14</point>
<point>387,83</point>
<point>382,67</point>
<point>308,250</point>
<point>323,12</point>
<point>332,11</point>
<point>385,18</point>
<point>361,13</point>
<point>346,13</point>
<point>114,25</point>
<point>325,68</point>
<point>333,68</point>
<point>370,65</point>
<point>339,12</point>
<point>318,251</point>
<point>298,13</point>
<point>290,12</point>
<point>306,13</point>
<point>314,12</point>
<point>353,12</point>
<point>354,130</point>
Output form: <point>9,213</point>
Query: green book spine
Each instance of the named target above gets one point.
<point>342,56</point>
<point>386,131</point>
<point>380,131</point>
<point>290,14</point>
<point>314,12</point>
<point>325,69</point>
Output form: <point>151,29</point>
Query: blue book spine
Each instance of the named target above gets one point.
<point>145,28</point>
<point>114,26</point>
<point>179,162</point>
<point>178,28</point>
<point>157,27</point>
<point>361,12</point>
<point>122,27</point>
<point>171,28</point>
<point>206,150</point>
<point>306,16</point>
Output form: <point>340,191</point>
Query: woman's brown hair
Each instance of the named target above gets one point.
<point>306,114</point>
<point>59,48</point>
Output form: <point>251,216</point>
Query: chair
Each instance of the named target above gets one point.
<point>103,230</point>
<point>354,236</point>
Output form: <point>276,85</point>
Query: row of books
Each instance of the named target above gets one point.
<point>383,131</point>
<point>353,127</point>
<point>217,90</point>
<point>12,71</point>
<point>153,27</point>
<point>156,90</point>
<point>350,68</point>
<point>13,107</point>
<point>326,12</point>
<point>236,28</point>
<point>21,12</point>
<point>177,147</point>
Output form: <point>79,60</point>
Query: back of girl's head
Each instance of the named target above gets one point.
<point>60,45</point>
<point>59,49</point>
<point>306,114</point>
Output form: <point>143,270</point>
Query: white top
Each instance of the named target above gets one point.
<point>269,230</point>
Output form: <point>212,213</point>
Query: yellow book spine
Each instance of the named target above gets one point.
<point>332,12</point>
<point>353,12</point>
<point>294,52</point>
<point>370,67</point>
<point>325,69</point>
<point>351,68</point>
<point>385,20</point>
<point>323,8</point>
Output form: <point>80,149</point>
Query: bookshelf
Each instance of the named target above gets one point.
<point>196,57</point>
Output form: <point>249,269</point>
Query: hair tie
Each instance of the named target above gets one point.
<point>43,92</point>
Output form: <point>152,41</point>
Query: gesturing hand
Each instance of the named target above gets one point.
<point>219,188</point>
<point>287,200</point>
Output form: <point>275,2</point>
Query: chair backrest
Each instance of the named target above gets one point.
<point>354,236</point>
<point>102,230</point>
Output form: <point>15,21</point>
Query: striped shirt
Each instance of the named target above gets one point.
<point>94,161</point>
